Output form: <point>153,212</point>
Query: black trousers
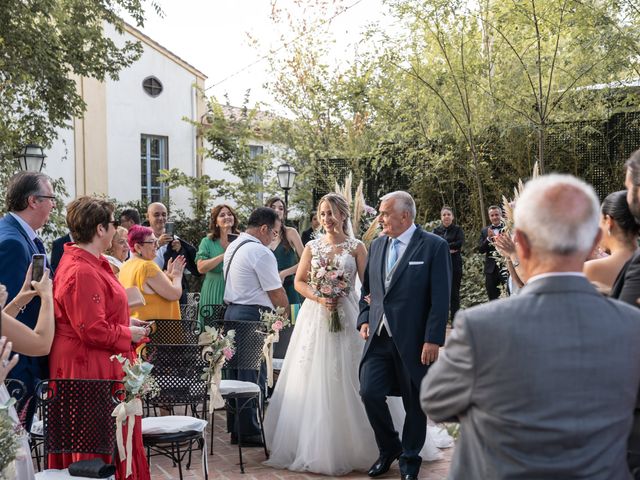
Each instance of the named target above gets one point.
<point>492,282</point>
<point>382,373</point>
<point>247,420</point>
<point>456,280</point>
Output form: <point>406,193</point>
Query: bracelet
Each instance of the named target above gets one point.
<point>515,264</point>
<point>20,308</point>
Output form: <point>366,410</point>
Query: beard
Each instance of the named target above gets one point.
<point>634,206</point>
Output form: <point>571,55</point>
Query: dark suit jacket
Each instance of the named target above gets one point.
<point>487,248</point>
<point>306,236</point>
<point>57,249</point>
<point>189,252</point>
<point>544,384</point>
<point>16,250</point>
<point>416,303</point>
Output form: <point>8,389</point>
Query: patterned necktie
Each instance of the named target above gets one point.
<point>393,254</point>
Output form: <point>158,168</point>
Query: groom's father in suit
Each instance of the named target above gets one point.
<point>544,383</point>
<point>403,317</point>
<point>29,201</point>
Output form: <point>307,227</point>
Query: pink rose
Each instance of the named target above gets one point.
<point>332,275</point>
<point>228,353</point>
<point>320,273</point>
<point>277,326</point>
<point>342,285</point>
<point>325,289</point>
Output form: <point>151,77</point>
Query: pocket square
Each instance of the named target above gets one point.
<point>416,263</point>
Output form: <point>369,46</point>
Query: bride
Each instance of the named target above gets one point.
<point>316,421</point>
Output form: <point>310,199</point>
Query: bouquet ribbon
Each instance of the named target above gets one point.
<point>267,351</point>
<point>215,398</point>
<point>126,412</point>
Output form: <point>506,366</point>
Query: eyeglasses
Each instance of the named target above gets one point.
<point>274,232</point>
<point>50,197</point>
<point>115,223</point>
<point>153,242</point>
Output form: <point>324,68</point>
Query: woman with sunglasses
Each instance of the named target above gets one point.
<point>161,290</point>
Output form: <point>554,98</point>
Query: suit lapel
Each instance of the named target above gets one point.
<point>414,245</point>
<point>18,227</point>
<point>383,254</point>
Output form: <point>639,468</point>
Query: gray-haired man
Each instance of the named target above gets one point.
<point>544,383</point>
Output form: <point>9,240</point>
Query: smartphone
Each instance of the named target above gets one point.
<point>37,269</point>
<point>169,228</point>
<point>231,237</point>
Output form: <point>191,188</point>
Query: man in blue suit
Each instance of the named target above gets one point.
<point>29,202</point>
<point>403,317</point>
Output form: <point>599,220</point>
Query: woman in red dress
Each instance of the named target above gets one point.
<point>92,317</point>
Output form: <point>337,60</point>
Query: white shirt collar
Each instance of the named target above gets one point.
<point>27,228</point>
<point>555,274</point>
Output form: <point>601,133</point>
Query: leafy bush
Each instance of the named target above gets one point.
<point>472,290</point>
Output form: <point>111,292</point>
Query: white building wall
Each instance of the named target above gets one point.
<point>60,161</point>
<point>131,112</point>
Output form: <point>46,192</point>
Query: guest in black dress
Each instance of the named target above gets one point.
<point>454,236</point>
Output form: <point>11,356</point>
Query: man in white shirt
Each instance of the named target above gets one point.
<point>544,383</point>
<point>252,283</point>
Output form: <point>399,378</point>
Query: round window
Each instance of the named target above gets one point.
<point>152,86</point>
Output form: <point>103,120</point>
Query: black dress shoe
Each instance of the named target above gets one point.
<point>407,476</point>
<point>247,440</point>
<point>382,465</point>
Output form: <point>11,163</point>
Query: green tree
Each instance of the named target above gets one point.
<point>44,46</point>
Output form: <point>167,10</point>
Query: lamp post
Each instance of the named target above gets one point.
<point>286,178</point>
<point>31,158</point>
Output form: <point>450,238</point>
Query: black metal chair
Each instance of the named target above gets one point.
<point>213,314</point>
<point>240,395</point>
<point>76,415</point>
<point>189,310</point>
<point>178,370</point>
<point>174,332</point>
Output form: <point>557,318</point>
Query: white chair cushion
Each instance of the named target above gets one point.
<point>172,424</point>
<point>277,363</point>
<point>37,428</point>
<point>62,475</point>
<point>236,386</point>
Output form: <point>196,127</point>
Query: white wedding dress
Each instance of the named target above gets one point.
<point>22,466</point>
<point>315,420</point>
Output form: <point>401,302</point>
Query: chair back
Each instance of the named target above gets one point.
<point>174,332</point>
<point>178,370</point>
<point>76,415</point>
<point>249,339</point>
<point>212,314</point>
<point>189,310</point>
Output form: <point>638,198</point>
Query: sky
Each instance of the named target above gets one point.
<point>212,35</point>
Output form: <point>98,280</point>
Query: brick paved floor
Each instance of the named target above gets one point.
<point>223,464</point>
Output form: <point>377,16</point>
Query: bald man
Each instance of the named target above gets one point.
<point>170,246</point>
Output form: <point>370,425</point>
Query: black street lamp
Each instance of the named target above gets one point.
<point>286,178</point>
<point>31,158</point>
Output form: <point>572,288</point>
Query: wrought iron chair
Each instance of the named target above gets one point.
<point>174,332</point>
<point>240,395</point>
<point>189,310</point>
<point>178,370</point>
<point>76,416</point>
<point>213,314</point>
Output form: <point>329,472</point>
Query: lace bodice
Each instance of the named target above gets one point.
<point>343,254</point>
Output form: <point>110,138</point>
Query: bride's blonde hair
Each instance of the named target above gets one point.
<point>337,203</point>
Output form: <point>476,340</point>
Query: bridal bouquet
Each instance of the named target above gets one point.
<point>138,384</point>
<point>218,348</point>
<point>329,281</point>
<point>274,322</point>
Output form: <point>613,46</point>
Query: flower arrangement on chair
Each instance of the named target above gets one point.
<point>274,322</point>
<point>9,441</point>
<point>218,348</point>
<point>138,385</point>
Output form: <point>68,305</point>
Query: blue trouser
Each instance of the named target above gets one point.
<point>382,373</point>
<point>248,418</point>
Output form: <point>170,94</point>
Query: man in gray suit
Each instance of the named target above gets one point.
<point>544,383</point>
